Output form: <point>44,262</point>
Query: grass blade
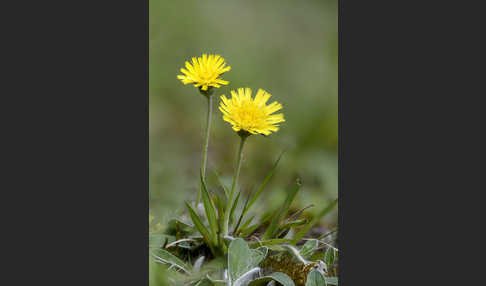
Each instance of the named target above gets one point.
<point>306,228</point>
<point>210,210</point>
<point>200,226</point>
<point>272,228</point>
<point>226,191</point>
<point>235,203</point>
<point>249,230</point>
<point>241,216</point>
<point>264,184</point>
<point>244,226</point>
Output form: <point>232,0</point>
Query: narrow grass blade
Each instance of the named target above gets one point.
<point>264,184</point>
<point>233,208</point>
<point>226,190</point>
<point>293,223</point>
<point>244,225</point>
<point>286,226</point>
<point>241,216</point>
<point>327,234</point>
<point>272,228</point>
<point>249,230</point>
<point>306,228</point>
<point>210,210</point>
<point>200,226</point>
<point>299,212</point>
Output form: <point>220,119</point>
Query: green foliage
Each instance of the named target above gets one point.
<point>272,228</point>
<point>210,211</point>
<point>305,229</point>
<point>158,240</point>
<point>330,257</point>
<point>280,277</point>
<point>331,280</point>
<point>315,278</point>
<point>240,259</point>
<point>202,229</point>
<point>264,184</point>
<point>308,248</point>
<point>167,257</point>
<point>178,31</point>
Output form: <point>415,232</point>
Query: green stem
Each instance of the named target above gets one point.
<point>206,142</point>
<point>235,180</point>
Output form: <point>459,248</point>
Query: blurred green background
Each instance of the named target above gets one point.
<point>287,47</point>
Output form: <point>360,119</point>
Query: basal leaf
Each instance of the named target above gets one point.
<point>157,240</point>
<point>331,280</point>
<point>280,277</point>
<point>239,259</point>
<point>330,257</point>
<point>167,257</point>
<point>315,278</point>
<point>247,277</point>
<point>308,248</point>
<point>257,255</point>
<point>200,226</point>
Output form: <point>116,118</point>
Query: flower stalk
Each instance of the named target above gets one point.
<point>204,159</point>
<point>243,136</point>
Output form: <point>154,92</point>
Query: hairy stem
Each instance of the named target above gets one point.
<point>206,142</point>
<point>235,180</point>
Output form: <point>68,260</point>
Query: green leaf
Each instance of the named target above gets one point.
<point>247,277</point>
<point>331,280</point>
<point>272,228</point>
<point>330,257</point>
<point>315,220</point>
<point>235,203</point>
<point>200,226</point>
<point>315,278</point>
<point>327,234</point>
<point>245,225</point>
<point>241,216</point>
<point>226,190</point>
<point>285,226</point>
<point>239,259</point>
<point>257,255</point>
<point>280,277</point>
<point>167,257</point>
<point>269,242</point>
<point>265,182</point>
<point>157,240</point>
<point>308,248</point>
<point>210,210</point>
<point>204,282</point>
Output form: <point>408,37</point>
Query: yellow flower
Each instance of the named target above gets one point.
<point>251,115</point>
<point>204,72</point>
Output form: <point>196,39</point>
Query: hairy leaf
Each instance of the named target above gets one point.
<point>315,278</point>
<point>280,277</point>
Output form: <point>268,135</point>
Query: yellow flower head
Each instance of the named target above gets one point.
<point>251,115</point>
<point>204,72</point>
